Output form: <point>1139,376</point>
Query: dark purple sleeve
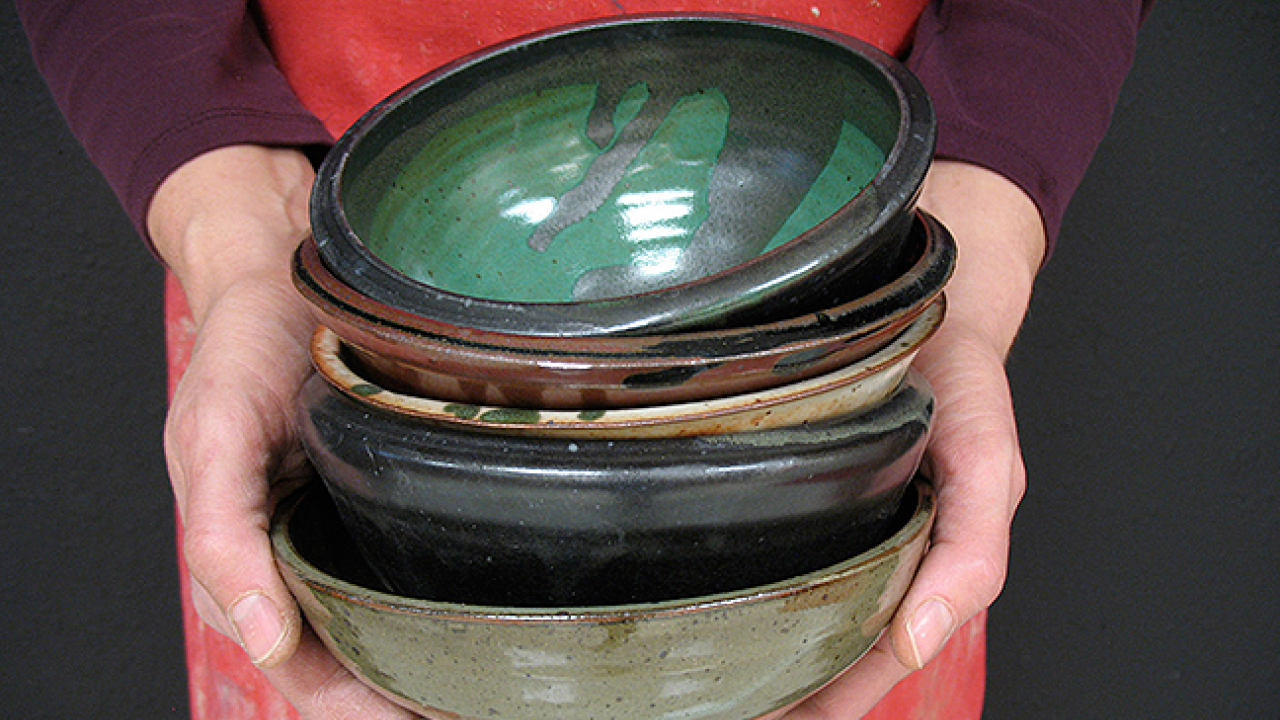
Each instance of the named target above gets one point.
<point>146,85</point>
<point>1026,87</point>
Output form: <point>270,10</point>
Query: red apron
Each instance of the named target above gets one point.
<point>343,56</point>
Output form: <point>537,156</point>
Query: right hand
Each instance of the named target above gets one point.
<point>227,223</point>
<point>973,459</point>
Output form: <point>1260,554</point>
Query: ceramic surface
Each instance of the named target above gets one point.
<point>855,386</point>
<point>728,656</point>
<point>523,520</point>
<point>629,175</point>
<point>467,365</point>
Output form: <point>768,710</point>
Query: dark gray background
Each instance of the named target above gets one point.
<point>1144,577</point>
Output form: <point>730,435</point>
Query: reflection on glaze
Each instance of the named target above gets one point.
<point>853,164</point>
<point>527,201</point>
<point>739,655</point>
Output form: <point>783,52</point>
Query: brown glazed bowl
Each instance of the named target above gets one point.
<point>528,520</point>
<point>464,364</point>
<point>630,175</point>
<point>732,655</point>
<point>857,385</point>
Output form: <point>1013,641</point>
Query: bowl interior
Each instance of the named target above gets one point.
<point>611,163</point>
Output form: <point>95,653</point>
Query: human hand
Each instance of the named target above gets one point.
<point>973,458</point>
<point>227,223</point>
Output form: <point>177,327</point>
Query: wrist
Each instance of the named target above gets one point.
<point>1000,242</point>
<point>231,216</point>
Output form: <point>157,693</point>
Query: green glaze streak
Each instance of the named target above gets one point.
<point>853,164</point>
<point>629,108</point>
<point>365,389</point>
<point>510,415</point>
<point>462,411</point>
<point>591,415</point>
<point>459,213</point>
<point>652,213</point>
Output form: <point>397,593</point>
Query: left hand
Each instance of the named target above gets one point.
<point>226,223</point>
<point>973,458</point>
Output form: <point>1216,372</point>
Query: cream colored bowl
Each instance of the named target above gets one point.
<point>860,384</point>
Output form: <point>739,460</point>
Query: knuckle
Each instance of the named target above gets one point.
<point>988,573</point>
<point>341,695</point>
<point>204,548</point>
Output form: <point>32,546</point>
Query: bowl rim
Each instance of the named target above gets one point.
<point>326,354</point>
<point>692,304</point>
<point>919,523</point>
<point>861,316</point>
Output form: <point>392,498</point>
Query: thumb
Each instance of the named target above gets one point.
<point>226,438</point>
<point>975,463</point>
<point>225,507</point>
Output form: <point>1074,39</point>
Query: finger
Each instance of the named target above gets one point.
<point>208,610</point>
<point>855,692</point>
<point>975,463</point>
<point>230,431</point>
<point>221,461</point>
<point>321,689</point>
<point>225,542</point>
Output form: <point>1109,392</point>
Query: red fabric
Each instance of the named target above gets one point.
<point>952,687</point>
<point>343,57</point>
<point>341,61</point>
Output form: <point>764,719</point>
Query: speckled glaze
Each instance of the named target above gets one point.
<point>629,175</point>
<point>526,520</point>
<point>855,386</point>
<point>468,365</point>
<point>727,656</point>
<point>571,217</point>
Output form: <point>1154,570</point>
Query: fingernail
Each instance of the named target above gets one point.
<point>929,629</point>
<point>258,625</point>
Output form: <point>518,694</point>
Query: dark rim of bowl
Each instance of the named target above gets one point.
<point>872,212</point>
<point>922,498</point>
<point>923,281</point>
<point>359,386</point>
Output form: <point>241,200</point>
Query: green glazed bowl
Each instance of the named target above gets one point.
<point>732,656</point>
<point>628,176</point>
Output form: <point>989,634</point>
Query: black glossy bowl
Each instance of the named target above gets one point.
<point>545,522</point>
<point>631,175</point>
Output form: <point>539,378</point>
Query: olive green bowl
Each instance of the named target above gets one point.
<point>732,656</point>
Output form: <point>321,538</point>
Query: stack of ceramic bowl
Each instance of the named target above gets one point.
<point>617,323</point>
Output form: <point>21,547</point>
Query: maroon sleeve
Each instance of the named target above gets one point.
<point>1026,87</point>
<point>147,85</point>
